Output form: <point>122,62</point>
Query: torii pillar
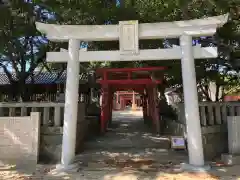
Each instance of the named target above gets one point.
<point>71,104</point>
<point>194,135</point>
<point>134,106</point>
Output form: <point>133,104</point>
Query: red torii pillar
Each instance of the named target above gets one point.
<point>110,107</point>
<point>156,109</point>
<point>150,104</point>
<point>104,108</point>
<point>134,105</point>
<point>145,108</point>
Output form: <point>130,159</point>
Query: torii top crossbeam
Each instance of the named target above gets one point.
<point>128,33</point>
<point>197,27</point>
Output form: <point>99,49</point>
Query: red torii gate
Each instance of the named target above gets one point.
<point>121,79</point>
<point>123,96</point>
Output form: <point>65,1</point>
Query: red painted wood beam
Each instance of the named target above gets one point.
<point>129,75</point>
<point>127,87</point>
<point>100,70</point>
<point>105,76</point>
<point>128,95</point>
<point>126,92</point>
<point>130,81</point>
<point>136,88</point>
<point>125,75</point>
<point>119,92</point>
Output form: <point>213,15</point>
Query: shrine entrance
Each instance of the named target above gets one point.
<point>129,33</point>
<point>139,80</point>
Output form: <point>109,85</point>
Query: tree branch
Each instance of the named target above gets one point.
<point>9,75</point>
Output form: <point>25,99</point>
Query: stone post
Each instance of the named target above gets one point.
<point>194,136</point>
<point>71,104</point>
<point>117,107</point>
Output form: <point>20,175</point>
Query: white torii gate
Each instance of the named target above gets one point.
<point>128,33</point>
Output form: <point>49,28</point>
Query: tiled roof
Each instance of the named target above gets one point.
<point>4,79</point>
<point>41,78</point>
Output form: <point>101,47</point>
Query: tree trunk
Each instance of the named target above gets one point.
<point>205,92</point>
<point>217,92</point>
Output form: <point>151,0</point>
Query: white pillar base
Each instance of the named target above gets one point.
<point>192,168</point>
<point>66,168</point>
<point>230,159</point>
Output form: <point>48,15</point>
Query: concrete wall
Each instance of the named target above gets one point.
<point>51,138</point>
<point>50,144</point>
<point>174,128</point>
<point>93,126</point>
<point>82,128</point>
<point>215,140</point>
<point>19,139</point>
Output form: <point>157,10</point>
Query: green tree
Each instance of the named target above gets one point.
<point>103,11</point>
<point>22,47</point>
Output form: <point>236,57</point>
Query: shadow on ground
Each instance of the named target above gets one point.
<point>128,151</point>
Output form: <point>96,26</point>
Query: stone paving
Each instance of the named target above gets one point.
<point>128,151</point>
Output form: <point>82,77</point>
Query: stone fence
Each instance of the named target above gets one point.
<point>213,117</point>
<point>51,113</point>
<point>51,129</point>
<point>212,113</point>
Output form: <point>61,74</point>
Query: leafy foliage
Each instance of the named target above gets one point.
<point>22,47</point>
